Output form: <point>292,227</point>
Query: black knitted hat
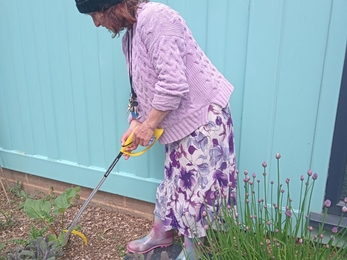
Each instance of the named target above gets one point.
<point>89,6</point>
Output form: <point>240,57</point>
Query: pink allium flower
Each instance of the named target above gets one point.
<point>204,214</point>
<point>310,228</point>
<point>287,180</point>
<point>272,182</point>
<point>300,241</point>
<point>264,164</point>
<point>278,156</point>
<point>288,213</point>
<point>245,172</point>
<point>258,181</point>
<point>309,172</point>
<point>334,230</point>
<point>327,203</point>
<point>254,175</point>
<point>345,200</point>
<point>315,176</point>
<point>302,178</point>
<point>344,209</point>
<point>282,191</point>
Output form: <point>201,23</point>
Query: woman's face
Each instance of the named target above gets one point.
<point>99,19</point>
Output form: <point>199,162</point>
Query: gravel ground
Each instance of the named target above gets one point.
<point>107,231</point>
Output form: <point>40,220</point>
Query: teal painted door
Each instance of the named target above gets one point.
<point>64,88</point>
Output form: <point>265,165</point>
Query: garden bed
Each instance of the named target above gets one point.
<point>107,231</point>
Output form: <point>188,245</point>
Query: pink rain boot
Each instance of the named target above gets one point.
<point>157,237</point>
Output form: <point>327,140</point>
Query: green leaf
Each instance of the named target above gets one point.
<point>51,237</point>
<point>72,192</point>
<point>38,209</point>
<point>61,238</point>
<point>63,201</point>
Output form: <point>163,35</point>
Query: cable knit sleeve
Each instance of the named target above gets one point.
<point>164,38</point>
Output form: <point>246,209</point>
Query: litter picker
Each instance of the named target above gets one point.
<point>157,134</point>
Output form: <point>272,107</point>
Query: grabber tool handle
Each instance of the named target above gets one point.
<point>157,133</point>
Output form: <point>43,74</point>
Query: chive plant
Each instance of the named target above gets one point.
<point>264,224</point>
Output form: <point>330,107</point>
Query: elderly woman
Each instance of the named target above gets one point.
<point>174,86</point>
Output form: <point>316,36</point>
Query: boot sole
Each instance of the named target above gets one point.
<point>150,249</point>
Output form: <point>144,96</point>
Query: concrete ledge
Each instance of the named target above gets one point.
<point>37,185</point>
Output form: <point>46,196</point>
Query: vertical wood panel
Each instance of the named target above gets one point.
<point>260,91</point>
<point>300,88</point>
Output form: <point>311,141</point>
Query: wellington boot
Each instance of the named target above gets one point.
<point>156,238</point>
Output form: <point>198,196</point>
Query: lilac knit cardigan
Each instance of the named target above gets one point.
<point>171,72</point>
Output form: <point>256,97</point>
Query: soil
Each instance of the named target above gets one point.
<point>107,231</point>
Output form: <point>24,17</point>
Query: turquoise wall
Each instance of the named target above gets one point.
<point>64,89</point>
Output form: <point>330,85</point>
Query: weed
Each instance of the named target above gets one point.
<point>9,221</point>
<point>16,189</point>
<point>19,241</point>
<point>37,232</point>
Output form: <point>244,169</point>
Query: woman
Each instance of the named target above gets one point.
<point>174,86</point>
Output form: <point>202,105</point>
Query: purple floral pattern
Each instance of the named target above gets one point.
<point>200,173</point>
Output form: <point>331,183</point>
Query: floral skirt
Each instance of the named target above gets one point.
<point>200,174</point>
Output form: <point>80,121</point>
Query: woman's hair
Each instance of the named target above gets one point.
<point>122,16</point>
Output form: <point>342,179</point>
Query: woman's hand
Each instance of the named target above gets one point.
<point>143,134</point>
<point>132,146</point>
